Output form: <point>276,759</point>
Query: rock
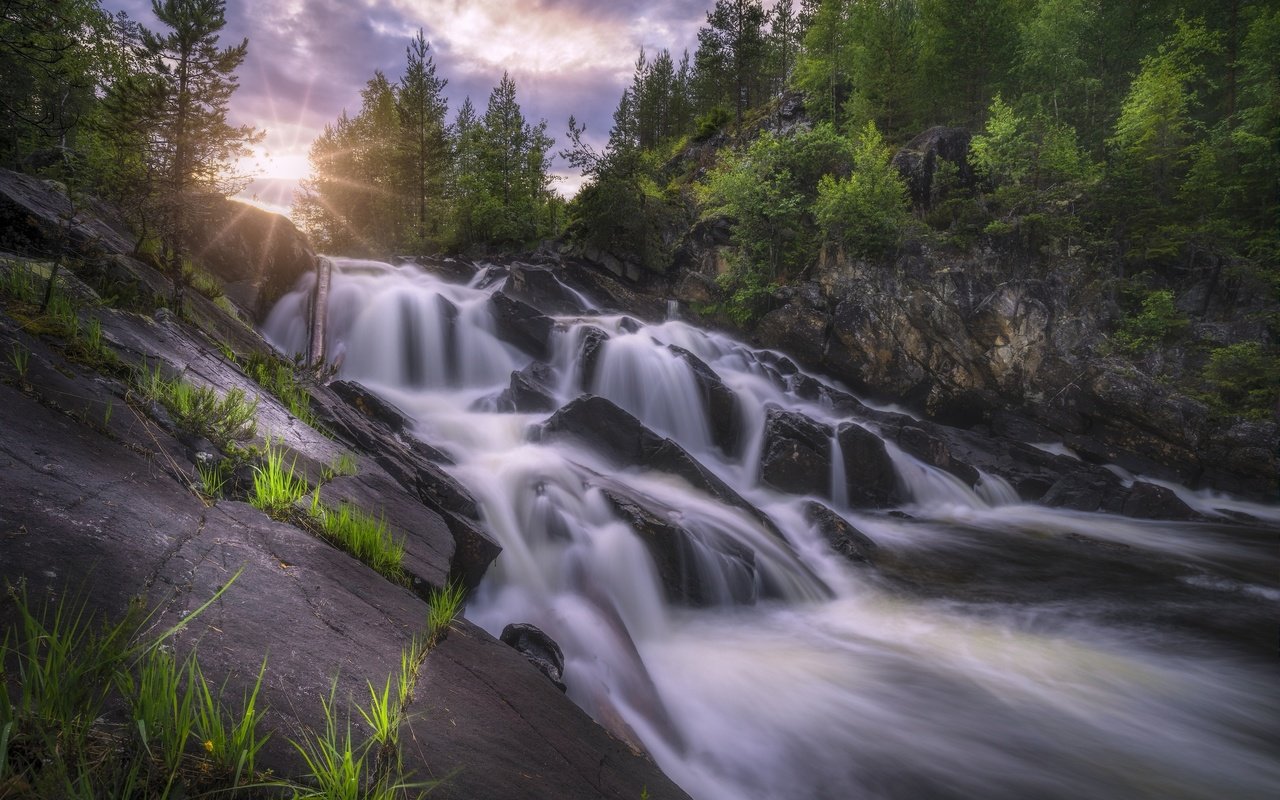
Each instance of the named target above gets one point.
<point>683,560</point>
<point>845,539</point>
<point>796,454</point>
<point>258,255</point>
<point>719,402</point>
<point>499,729</point>
<point>540,650</point>
<point>530,391</point>
<point>593,340</point>
<point>798,329</point>
<point>33,214</point>
<point>1149,501</point>
<point>918,161</point>
<point>934,450</point>
<point>376,418</point>
<point>619,437</point>
<point>872,479</point>
<point>1086,490</point>
<point>539,288</point>
<point>522,325</point>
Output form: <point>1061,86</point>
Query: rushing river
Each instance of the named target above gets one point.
<point>995,650</point>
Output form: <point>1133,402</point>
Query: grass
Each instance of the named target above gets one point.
<point>199,410</point>
<point>67,671</point>
<point>19,283</point>
<point>20,358</point>
<point>343,465</point>
<point>362,535</point>
<point>275,488</point>
<point>280,378</point>
<point>212,478</point>
<point>442,608</point>
<point>229,736</point>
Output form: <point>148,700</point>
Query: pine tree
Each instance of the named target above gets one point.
<point>424,146</point>
<point>731,52</point>
<point>195,145</point>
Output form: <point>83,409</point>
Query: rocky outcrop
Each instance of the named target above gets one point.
<point>871,479</point>
<point>918,162</point>
<point>539,287</point>
<point>719,403</point>
<point>588,359</point>
<point>530,391</point>
<point>845,539</point>
<point>258,255</point>
<point>796,454</point>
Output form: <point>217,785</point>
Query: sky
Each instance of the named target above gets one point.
<point>308,60</point>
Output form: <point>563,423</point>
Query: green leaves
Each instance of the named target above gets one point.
<point>866,211</point>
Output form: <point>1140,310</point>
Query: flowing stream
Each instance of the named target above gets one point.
<point>995,650</point>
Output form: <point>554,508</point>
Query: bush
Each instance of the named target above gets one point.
<point>1244,379</point>
<point>1157,322</point>
<point>866,212</point>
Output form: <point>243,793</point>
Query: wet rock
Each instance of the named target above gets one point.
<point>681,558</point>
<point>593,340</point>
<point>872,480</point>
<point>797,328</point>
<point>796,454</point>
<point>1086,490</point>
<point>522,325</point>
<point>719,403</point>
<point>530,390</point>
<point>843,537</point>
<point>619,437</point>
<point>371,405</point>
<point>538,648</point>
<point>373,419</point>
<point>935,450</point>
<point>540,288</point>
<point>1150,501</point>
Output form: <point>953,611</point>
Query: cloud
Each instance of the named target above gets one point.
<point>308,59</point>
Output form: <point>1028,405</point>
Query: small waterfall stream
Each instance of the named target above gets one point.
<point>996,650</point>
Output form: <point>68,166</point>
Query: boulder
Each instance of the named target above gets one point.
<point>540,288</point>
<point>530,391</point>
<point>796,454</point>
<point>36,217</point>
<point>522,325</point>
<point>1150,501</point>
<point>872,479</point>
<point>843,537</point>
<point>538,648</point>
<point>682,559</point>
<point>1086,490</point>
<point>718,401</point>
<point>934,449</point>
<point>593,340</point>
<point>258,255</point>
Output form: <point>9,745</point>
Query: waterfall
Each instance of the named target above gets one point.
<point>984,652</point>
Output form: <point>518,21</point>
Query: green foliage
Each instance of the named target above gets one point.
<point>229,736</point>
<point>711,123</point>
<point>275,488</point>
<point>866,212</point>
<point>1156,322</point>
<point>19,357</point>
<point>281,379</point>
<point>212,477</point>
<point>344,465</point>
<point>443,607</point>
<point>362,535</point>
<point>748,293</point>
<point>199,410</point>
<point>163,712</point>
<point>1244,379</point>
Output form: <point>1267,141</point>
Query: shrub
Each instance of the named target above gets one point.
<point>867,211</point>
<point>1244,379</point>
<point>1157,322</point>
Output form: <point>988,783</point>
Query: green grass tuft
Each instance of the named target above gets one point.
<point>362,535</point>
<point>20,358</point>
<point>199,409</point>
<point>229,737</point>
<point>275,488</point>
<point>444,605</point>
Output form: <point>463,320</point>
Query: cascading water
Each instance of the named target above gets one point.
<point>989,654</point>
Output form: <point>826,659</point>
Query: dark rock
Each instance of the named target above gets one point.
<point>593,340</point>
<point>540,288</point>
<point>620,438</point>
<point>683,559</point>
<point>1086,490</point>
<point>845,539</point>
<point>499,729</point>
<point>629,325</point>
<point>33,214</point>
<point>625,296</point>
<point>373,420</point>
<point>935,450</point>
<point>530,390</point>
<point>798,329</point>
<point>540,650</point>
<point>258,255</point>
<point>719,403</point>
<point>796,454</point>
<point>522,325</point>
<point>918,161</point>
<point>371,405</point>
<point>872,480</point>
<point>1149,501</point>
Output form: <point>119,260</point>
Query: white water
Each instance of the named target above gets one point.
<point>922,678</point>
